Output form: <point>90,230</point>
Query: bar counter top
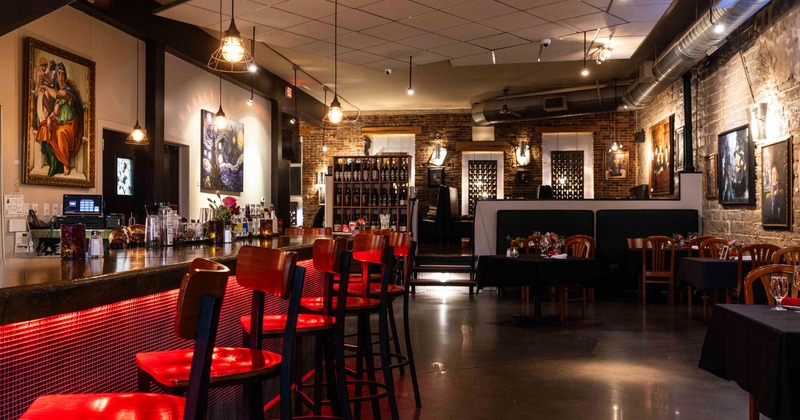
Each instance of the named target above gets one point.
<point>37,287</point>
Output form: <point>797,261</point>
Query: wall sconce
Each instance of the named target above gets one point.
<point>438,155</point>
<point>523,153</point>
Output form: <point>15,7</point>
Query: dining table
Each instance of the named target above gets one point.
<point>539,272</point>
<point>711,273</point>
<point>758,349</point>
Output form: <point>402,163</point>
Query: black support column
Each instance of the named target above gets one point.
<point>688,153</point>
<point>154,120</point>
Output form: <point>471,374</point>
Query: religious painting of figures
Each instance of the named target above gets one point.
<point>776,188</point>
<point>59,117</point>
<point>736,162</point>
<point>661,165</point>
<point>222,155</point>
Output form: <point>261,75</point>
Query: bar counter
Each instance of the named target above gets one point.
<point>74,326</point>
<point>37,287</point>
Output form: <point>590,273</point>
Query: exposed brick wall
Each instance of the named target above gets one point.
<point>456,126</point>
<point>721,96</point>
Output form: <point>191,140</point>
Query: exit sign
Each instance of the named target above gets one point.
<point>288,92</point>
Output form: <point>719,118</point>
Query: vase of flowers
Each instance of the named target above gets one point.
<point>514,244</point>
<point>223,214</point>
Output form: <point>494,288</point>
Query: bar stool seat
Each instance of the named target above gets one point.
<point>171,368</point>
<point>352,304</point>
<point>393,290</point>
<point>306,323</point>
<point>106,406</point>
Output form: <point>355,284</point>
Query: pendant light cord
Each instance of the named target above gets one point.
<point>336,49</point>
<point>137,81</point>
<point>296,120</point>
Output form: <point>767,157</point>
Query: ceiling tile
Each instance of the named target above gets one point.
<point>563,10</point>
<point>639,13</point>
<point>396,9</point>
<point>322,49</point>
<point>513,21</point>
<point>387,63</point>
<point>427,41</point>
<point>600,4</point>
<point>526,53</point>
<point>268,2</point>
<point>458,50</point>
<point>242,6</point>
<point>472,60</point>
<point>427,57</point>
<point>356,20</point>
<point>316,29</point>
<point>359,41</point>
<point>356,3</point>
<point>393,31</point>
<point>528,4</point>
<point>468,32</point>
<point>313,9</point>
<point>548,30</point>
<point>594,21</point>
<point>192,15</point>
<point>633,29</point>
<point>392,50</point>
<point>495,42</point>
<point>359,57</point>
<point>275,18</point>
<point>285,39</point>
<point>434,21</point>
<point>478,10</point>
<point>441,4</point>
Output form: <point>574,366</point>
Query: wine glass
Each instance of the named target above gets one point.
<point>544,243</point>
<point>778,287</point>
<point>796,279</point>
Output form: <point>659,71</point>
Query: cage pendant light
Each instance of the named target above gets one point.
<point>335,114</point>
<point>138,135</point>
<point>231,56</point>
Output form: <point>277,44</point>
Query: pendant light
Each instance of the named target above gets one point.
<point>335,114</point>
<point>231,56</point>
<point>410,90</point>
<point>138,135</point>
<point>221,125</point>
<point>585,71</point>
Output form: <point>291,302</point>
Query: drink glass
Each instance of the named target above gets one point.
<point>778,287</point>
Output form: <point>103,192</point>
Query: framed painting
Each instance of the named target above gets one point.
<point>680,153</point>
<point>616,164</point>
<point>661,174</point>
<point>222,155</point>
<point>59,117</point>
<point>776,189</point>
<point>711,176</point>
<point>736,184</point>
<point>124,176</point>
<point>435,177</point>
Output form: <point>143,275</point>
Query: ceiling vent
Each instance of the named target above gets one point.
<point>646,72</point>
<point>555,103</point>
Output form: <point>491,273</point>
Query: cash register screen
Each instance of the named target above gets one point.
<point>82,204</point>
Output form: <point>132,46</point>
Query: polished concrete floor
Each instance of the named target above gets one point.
<point>625,361</point>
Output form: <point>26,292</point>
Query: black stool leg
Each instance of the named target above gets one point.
<point>369,359</point>
<point>388,378</point>
<point>395,336</point>
<point>410,352</point>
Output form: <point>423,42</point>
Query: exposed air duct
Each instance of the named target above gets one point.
<point>706,34</point>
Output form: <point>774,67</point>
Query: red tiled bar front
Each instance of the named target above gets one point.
<point>70,326</point>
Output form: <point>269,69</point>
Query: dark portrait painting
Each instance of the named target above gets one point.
<point>776,192</point>
<point>222,155</point>
<point>735,176</point>
<point>661,179</point>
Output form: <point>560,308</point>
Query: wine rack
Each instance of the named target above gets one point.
<point>367,188</point>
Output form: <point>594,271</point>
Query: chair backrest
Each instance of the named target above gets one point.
<point>760,254</point>
<point>787,255</point>
<point>532,243</point>
<point>327,254</point>
<point>580,246</point>
<point>293,231</point>
<point>695,242</point>
<point>266,270</point>
<point>711,247</point>
<point>762,275</point>
<point>401,241</point>
<point>204,278</point>
<point>323,231</point>
<point>662,259</point>
<point>368,248</point>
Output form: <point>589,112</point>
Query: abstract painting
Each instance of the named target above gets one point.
<point>222,155</point>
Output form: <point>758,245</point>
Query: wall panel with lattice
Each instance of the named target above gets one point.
<point>567,167</point>
<point>482,177</point>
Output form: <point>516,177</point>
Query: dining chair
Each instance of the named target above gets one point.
<point>695,242</point>
<point>760,254</point>
<point>762,275</point>
<point>712,247</point>
<point>577,246</point>
<point>660,269</point>
<point>531,243</point>
<point>788,255</point>
<point>197,316</point>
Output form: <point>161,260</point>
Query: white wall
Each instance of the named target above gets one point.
<point>188,90</point>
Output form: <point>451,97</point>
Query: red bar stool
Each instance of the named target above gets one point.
<point>199,303</point>
<point>279,277</point>
<point>250,273</point>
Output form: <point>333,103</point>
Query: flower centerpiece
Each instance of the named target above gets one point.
<point>223,213</point>
<point>554,242</point>
<point>514,244</point>
<point>735,246</point>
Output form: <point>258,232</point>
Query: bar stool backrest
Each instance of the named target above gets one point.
<point>293,231</point>
<point>579,246</point>
<point>204,278</point>
<point>762,274</point>
<point>324,231</point>
<point>327,254</point>
<point>401,241</point>
<point>266,270</point>
<point>368,248</point>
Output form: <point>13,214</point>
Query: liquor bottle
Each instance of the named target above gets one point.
<point>374,170</point>
<point>393,223</point>
<point>347,196</point>
<point>385,171</point>
<point>337,171</point>
<point>403,196</point>
<point>403,227</point>
<point>338,198</point>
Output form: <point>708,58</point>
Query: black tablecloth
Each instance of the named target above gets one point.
<point>710,273</point>
<point>760,350</point>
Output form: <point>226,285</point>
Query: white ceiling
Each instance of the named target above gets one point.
<point>463,50</point>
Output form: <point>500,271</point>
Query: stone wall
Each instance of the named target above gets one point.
<point>766,50</point>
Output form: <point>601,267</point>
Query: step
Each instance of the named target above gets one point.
<point>441,268</point>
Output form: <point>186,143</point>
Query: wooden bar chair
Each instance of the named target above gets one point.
<point>760,254</point>
<point>281,278</point>
<point>660,269</point>
<point>197,317</point>
<point>695,242</point>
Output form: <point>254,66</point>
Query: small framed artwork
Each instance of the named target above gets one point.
<point>723,253</point>
<point>616,164</point>
<point>679,150</point>
<point>124,176</point>
<point>522,177</point>
<point>321,192</point>
<point>58,139</point>
<point>776,201</point>
<point>435,177</point>
<point>661,166</point>
<point>711,176</point>
<point>736,184</point>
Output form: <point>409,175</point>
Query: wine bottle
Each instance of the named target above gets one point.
<point>356,196</point>
<point>346,171</point>
<point>365,170</point>
<point>337,171</point>
<point>338,198</point>
<point>365,196</point>
<point>347,196</point>
<point>337,223</point>
<point>374,170</point>
<point>357,171</point>
<point>393,196</point>
<point>393,223</point>
<point>385,171</point>
<point>403,223</point>
<point>393,176</point>
<point>403,171</point>
<point>374,198</point>
<point>403,196</point>
<point>384,197</point>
